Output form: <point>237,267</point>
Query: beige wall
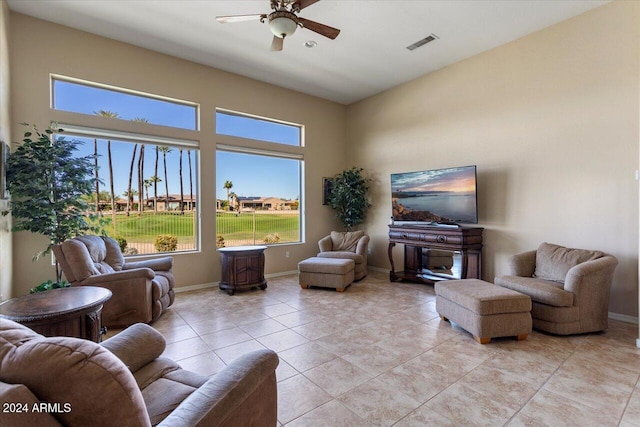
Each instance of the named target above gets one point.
<point>551,121</point>
<point>5,135</point>
<point>40,48</point>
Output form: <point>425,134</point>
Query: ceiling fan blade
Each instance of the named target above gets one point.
<point>301,4</point>
<point>321,29</point>
<point>277,43</point>
<point>239,18</point>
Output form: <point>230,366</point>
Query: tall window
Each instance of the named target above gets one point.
<point>258,190</point>
<point>146,188</point>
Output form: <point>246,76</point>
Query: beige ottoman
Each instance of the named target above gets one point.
<point>326,272</point>
<point>484,309</point>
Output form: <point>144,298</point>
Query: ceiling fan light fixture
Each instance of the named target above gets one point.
<point>282,23</point>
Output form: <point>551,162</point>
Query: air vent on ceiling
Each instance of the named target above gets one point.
<point>428,39</point>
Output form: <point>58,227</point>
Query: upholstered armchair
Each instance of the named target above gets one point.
<point>141,290</point>
<point>125,382</point>
<point>569,288</point>
<point>347,245</point>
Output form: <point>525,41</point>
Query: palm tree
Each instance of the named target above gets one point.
<point>228,185</point>
<point>140,168</point>
<point>190,181</point>
<point>147,183</point>
<point>181,187</point>
<point>129,194</point>
<point>133,158</point>
<point>233,202</point>
<point>155,179</point>
<point>165,150</point>
<point>141,179</point>
<point>95,171</point>
<point>110,115</point>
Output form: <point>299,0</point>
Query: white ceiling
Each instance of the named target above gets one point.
<point>368,57</point>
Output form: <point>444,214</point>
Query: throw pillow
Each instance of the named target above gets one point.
<point>553,262</point>
<point>345,240</point>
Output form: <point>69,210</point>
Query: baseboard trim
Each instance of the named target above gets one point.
<point>196,287</point>
<point>215,284</point>
<point>623,318</point>
<point>283,273</point>
<point>378,269</point>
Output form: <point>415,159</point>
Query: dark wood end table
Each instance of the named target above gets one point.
<point>242,268</point>
<point>70,312</point>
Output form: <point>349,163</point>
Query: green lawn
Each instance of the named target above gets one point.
<point>231,226</point>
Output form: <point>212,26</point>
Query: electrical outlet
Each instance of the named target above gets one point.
<point>286,254</point>
<point>369,251</point>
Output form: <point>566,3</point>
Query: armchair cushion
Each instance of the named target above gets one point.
<point>544,291</point>
<point>345,240</point>
<point>553,262</point>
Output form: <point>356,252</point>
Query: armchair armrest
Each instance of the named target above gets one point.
<point>136,346</point>
<point>156,264</point>
<point>363,244</point>
<point>523,265</point>
<point>244,393</point>
<point>597,273</point>
<point>102,279</point>
<point>325,244</point>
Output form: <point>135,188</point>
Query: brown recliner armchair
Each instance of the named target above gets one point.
<point>569,288</point>
<point>141,290</point>
<point>124,382</point>
<point>347,245</point>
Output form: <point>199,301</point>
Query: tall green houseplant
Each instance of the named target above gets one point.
<point>47,184</point>
<point>348,197</point>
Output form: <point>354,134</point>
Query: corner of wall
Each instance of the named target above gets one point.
<point>6,250</point>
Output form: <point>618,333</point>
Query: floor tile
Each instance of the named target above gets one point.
<point>332,414</point>
<point>297,396</point>
<point>283,340</point>
<point>337,376</point>
<point>378,403</point>
<point>379,354</point>
<point>307,356</point>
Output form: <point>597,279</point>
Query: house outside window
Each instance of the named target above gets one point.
<point>258,190</point>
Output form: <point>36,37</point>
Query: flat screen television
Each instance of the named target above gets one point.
<point>438,196</point>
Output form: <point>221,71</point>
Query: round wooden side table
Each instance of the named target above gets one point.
<point>69,312</point>
<point>242,268</point>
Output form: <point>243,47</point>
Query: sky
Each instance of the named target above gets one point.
<point>251,175</point>
<point>462,180</point>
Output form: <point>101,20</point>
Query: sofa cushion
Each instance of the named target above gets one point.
<point>75,371</point>
<point>553,262</point>
<point>543,291</point>
<point>357,258</point>
<point>345,240</point>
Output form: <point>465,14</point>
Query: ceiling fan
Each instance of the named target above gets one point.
<point>283,21</point>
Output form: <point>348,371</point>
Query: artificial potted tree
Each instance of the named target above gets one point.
<point>348,197</point>
<point>48,185</point>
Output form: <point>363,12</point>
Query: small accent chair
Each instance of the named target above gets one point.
<point>347,245</point>
<point>569,288</point>
<point>125,382</point>
<point>141,290</point>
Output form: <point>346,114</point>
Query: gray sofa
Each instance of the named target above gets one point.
<point>125,382</point>
<point>569,288</point>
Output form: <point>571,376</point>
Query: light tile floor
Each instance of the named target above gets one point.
<point>379,355</point>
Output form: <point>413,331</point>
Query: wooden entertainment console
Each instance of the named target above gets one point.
<point>462,240</point>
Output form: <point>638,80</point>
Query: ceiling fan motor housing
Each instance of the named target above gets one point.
<point>283,23</point>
